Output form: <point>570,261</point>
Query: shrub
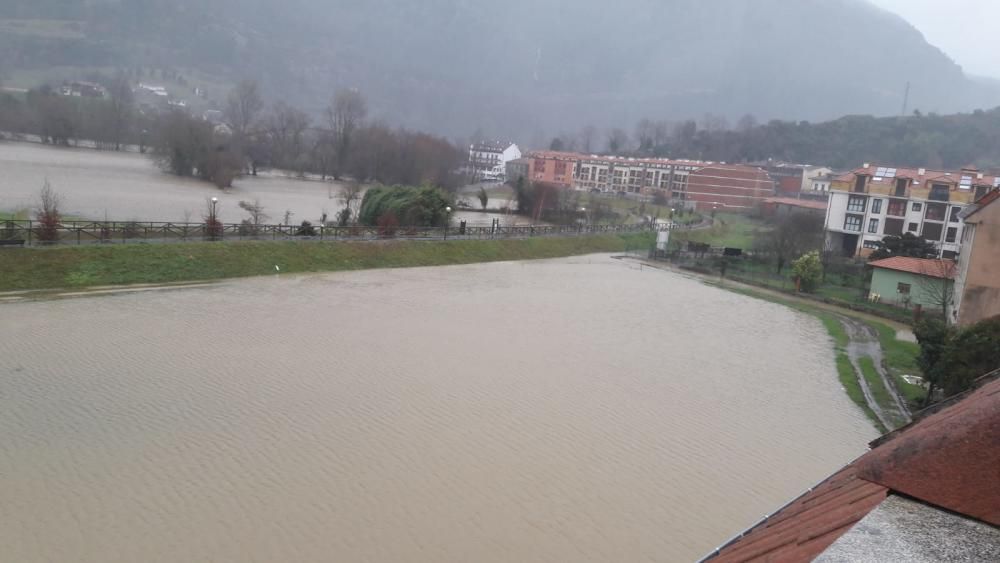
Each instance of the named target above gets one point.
<point>306,229</point>
<point>48,215</point>
<point>413,207</point>
<point>809,271</point>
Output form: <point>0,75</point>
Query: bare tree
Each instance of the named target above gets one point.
<point>587,137</point>
<point>48,215</point>
<point>792,236</point>
<point>286,127</point>
<point>617,140</point>
<point>350,194</point>
<point>119,111</point>
<point>255,210</point>
<point>345,114</point>
<point>937,286</point>
<point>746,123</point>
<point>645,132</point>
<point>243,106</point>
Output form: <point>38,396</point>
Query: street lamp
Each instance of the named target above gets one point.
<point>213,220</point>
<point>447,221</point>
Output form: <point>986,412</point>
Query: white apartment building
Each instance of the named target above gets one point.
<point>872,202</point>
<point>488,161</point>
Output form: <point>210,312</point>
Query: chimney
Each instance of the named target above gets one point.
<point>867,165</point>
<point>979,176</point>
<point>921,171</point>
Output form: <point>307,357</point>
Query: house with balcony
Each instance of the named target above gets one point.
<point>488,161</point>
<point>872,202</point>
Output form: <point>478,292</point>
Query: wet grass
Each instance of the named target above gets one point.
<point>876,385</point>
<point>76,267</point>
<point>901,359</point>
<point>849,380</point>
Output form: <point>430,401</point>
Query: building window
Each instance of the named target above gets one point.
<point>940,192</point>
<point>903,288</point>
<point>951,235</point>
<point>853,223</point>
<point>912,227</point>
<point>949,255</point>
<point>560,169</point>
<point>873,226</point>
<point>936,211</point>
<point>540,165</point>
<point>896,208</point>
<point>932,231</point>
<point>859,183</point>
<point>871,244</point>
<point>955,211</point>
<point>918,207</point>
<point>876,206</point>
<point>894,227</point>
<point>901,187</point>
<point>856,204</point>
<point>981,192</point>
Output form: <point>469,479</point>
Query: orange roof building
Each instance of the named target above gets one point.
<point>874,201</point>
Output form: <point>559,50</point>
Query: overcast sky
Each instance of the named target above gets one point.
<point>944,24</point>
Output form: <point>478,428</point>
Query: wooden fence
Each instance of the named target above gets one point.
<point>34,233</point>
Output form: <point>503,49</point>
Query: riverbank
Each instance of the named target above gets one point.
<point>90,266</point>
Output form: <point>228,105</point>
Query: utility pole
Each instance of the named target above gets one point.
<point>906,100</point>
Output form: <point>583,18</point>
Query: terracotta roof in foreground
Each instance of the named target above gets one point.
<point>948,458</point>
<point>944,269</point>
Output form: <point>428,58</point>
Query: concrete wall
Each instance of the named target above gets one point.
<point>979,268</point>
<point>925,291</point>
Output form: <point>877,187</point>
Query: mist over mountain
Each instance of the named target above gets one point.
<point>522,68</point>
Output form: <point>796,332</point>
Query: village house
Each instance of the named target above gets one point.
<point>872,202</point>
<point>977,284</point>
<point>488,160</point>
<point>913,282</point>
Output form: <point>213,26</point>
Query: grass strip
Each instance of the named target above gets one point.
<point>77,267</point>
<point>849,380</point>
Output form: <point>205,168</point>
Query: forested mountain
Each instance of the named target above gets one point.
<point>524,68</point>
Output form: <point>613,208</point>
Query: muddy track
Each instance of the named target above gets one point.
<point>864,343</point>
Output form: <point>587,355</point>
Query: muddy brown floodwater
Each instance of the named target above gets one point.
<point>566,410</point>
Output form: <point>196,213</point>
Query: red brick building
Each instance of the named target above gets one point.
<point>693,184</point>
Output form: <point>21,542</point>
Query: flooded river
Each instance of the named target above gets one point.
<point>568,410</point>
<point>129,187</point>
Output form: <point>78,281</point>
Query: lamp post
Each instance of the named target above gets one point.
<point>447,221</point>
<point>213,219</point>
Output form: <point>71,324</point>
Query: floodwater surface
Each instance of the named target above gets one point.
<point>122,186</point>
<point>566,410</point>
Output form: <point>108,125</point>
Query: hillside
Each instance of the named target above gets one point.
<point>526,68</point>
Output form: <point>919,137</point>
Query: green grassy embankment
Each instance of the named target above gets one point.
<point>77,267</point>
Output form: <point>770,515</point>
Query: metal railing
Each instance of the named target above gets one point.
<point>35,233</point>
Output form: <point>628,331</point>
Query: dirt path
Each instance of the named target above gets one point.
<point>864,343</point>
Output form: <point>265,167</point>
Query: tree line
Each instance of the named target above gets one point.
<point>917,140</point>
<point>253,135</point>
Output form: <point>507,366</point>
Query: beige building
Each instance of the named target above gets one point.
<point>977,286</point>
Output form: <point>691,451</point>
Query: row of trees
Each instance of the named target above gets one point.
<point>344,143</point>
<point>934,141</point>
